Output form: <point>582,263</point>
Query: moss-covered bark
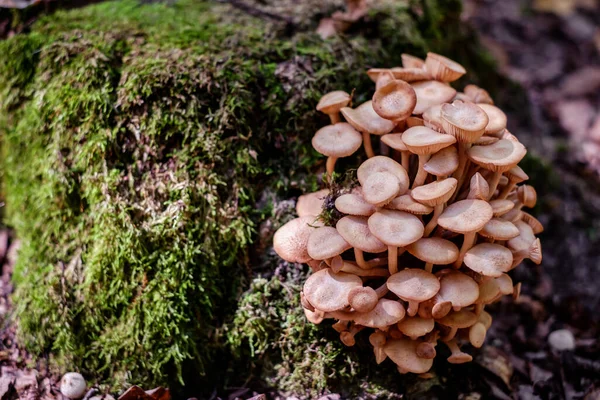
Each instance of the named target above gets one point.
<point>142,147</point>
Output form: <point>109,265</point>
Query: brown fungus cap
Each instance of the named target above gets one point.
<point>458,288</point>
<point>410,205</point>
<point>516,175</point>
<point>386,313</point>
<point>403,352</point>
<point>501,206</point>
<point>291,240</point>
<point>363,299</point>
<point>479,188</point>
<point>395,228</point>
<point>464,120</point>
<point>413,284</point>
<point>356,232</point>
<point>311,204</point>
<point>325,242</point>
<point>411,74</point>
<point>432,118</point>
<point>383,164</point>
<point>527,196</point>
<point>459,319</point>
<point>435,193</point>
<point>354,204</point>
<point>442,68</point>
<point>338,140</point>
<point>443,163</point>
<point>489,259</point>
<point>478,95</point>
<point>497,119</point>
<point>409,61</point>
<point>327,291</point>
<point>375,73</point>
<point>395,100</point>
<point>486,140</point>
<point>394,140</point>
<point>380,188</point>
<point>466,216</point>
<point>430,93</point>
<point>525,239</point>
<point>415,327</point>
<point>533,222</point>
<point>498,157</point>
<point>333,102</point>
<point>422,140</point>
<point>499,229</point>
<point>364,119</point>
<point>434,250</point>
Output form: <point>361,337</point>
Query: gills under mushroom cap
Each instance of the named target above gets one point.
<point>464,120</point>
<point>443,68</point>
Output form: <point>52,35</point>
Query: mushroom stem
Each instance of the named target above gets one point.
<point>360,258</point>
<point>450,335</point>
<point>421,173</point>
<point>353,269</point>
<point>341,326</point>
<point>459,174</point>
<point>493,184</point>
<point>429,267</point>
<point>479,308</point>
<point>367,144</point>
<point>468,242</point>
<point>331,165</point>
<point>347,337</point>
<point>405,157</point>
<point>506,190</point>
<point>437,211</point>
<point>413,308</point>
<point>393,259</point>
<point>335,118</point>
<point>382,290</point>
<point>336,263</point>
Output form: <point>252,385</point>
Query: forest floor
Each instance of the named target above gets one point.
<point>552,49</point>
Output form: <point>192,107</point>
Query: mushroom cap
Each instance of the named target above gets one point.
<point>364,119</point>
<point>409,61</point>
<point>414,284</point>
<point>458,288</point>
<point>364,298</point>
<point>443,163</point>
<point>328,291</point>
<point>333,102</point>
<point>375,73</point>
<point>430,93</point>
<point>505,283</point>
<point>384,79</point>
<point>533,222</point>
<point>478,95</point>
<point>527,196</point>
<point>337,140</point>
<point>414,121</point>
<point>464,120</point>
<point>489,259</point>
<point>516,175</point>
<point>394,140</point>
<point>356,232</point>
<point>316,316</point>
<point>355,204</point>
<point>311,204</point>
<point>411,74</point>
<point>408,204</point>
<point>435,193</point>
<point>403,352</point>
<point>459,319</point>
<point>442,68</point>
<point>422,140</point>
<point>291,240</point>
<point>499,229</point>
<point>415,327</point>
<point>386,313</point>
<point>325,242</point>
<point>525,239</point>
<point>501,206</point>
<point>377,339</point>
<point>485,318</point>
<point>497,119</point>
<point>488,291</point>
<point>485,140</point>
<point>477,334</point>
<point>379,188</point>
<point>466,216</point>
<point>479,188</point>
<point>498,157</point>
<point>383,164</point>
<point>432,118</point>
<point>396,228</point>
<point>72,385</point>
<point>395,100</point>
<point>434,250</point>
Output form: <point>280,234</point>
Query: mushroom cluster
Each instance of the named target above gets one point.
<point>428,238</point>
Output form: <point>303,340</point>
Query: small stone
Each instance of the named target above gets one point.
<point>562,340</point>
<point>72,385</point>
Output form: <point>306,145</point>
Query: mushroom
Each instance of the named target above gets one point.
<point>515,176</point>
<point>443,163</point>
<point>403,352</point>
<point>426,349</point>
<point>378,340</point>
<point>305,303</point>
<point>533,222</point>
<point>355,230</point>
<point>478,95</point>
<point>408,204</point>
<point>386,313</point>
<point>430,93</point>
<point>328,291</point>
<point>457,356</point>
<point>380,188</point>
<point>354,204</point>
<point>347,337</point>
<point>370,270</point>
<point>383,164</point>
<point>325,243</point>
<point>499,229</point>
<point>315,317</point>
<point>442,68</point>
<point>424,142</point>
<point>291,240</point>
<point>434,194</point>
<point>501,207</point>
<point>432,118</point>
<point>414,121</point>
<point>414,286</point>
<point>394,140</point>
<point>384,78</point>
<point>72,385</point>
<point>336,141</point>
<point>466,217</point>
<point>311,204</point>
<point>410,74</point>
<point>434,251</point>
<point>415,327</point>
<point>365,120</point>
<point>395,100</point>
<point>478,188</point>
<point>497,119</point>
<point>395,229</point>
<point>409,61</point>
<point>489,291</point>
<point>375,73</point>
<point>516,292</point>
<point>457,320</point>
<point>332,103</point>
<point>457,288</point>
<point>365,298</point>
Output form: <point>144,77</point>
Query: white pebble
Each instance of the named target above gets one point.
<point>72,385</point>
<point>561,340</point>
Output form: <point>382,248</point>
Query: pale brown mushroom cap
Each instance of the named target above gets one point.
<point>430,93</point>
<point>477,334</point>
<point>434,250</point>
<point>325,242</point>
<point>458,288</point>
<point>408,204</point>
<point>394,140</point>
<point>415,327</point>
<point>316,316</point>
<point>489,259</point>
<point>497,119</point>
<point>459,319</point>
<point>355,204</point>
<point>499,229</point>
<point>409,61</point>
<point>384,79</point>
<point>411,74</point>
<point>498,157</point>
<point>380,188</point>
<point>505,283</point>
<point>333,102</point>
<point>516,175</point>
<point>443,163</point>
<point>479,188</point>
<point>527,195</point>
<point>422,140</point>
<point>356,232</point>
<point>377,339</point>
<point>525,239</point>
<point>432,118</point>
<point>291,240</point>
<point>466,216</point>
<point>386,313</point>
<point>533,222</point>
<point>364,119</point>
<point>395,100</point>
<point>403,352</point>
<point>327,291</point>
<point>435,193</point>
<point>375,73</point>
<point>311,204</point>
<point>488,291</point>
<point>486,140</point>
<point>395,228</point>
<point>383,164</point>
<point>442,68</point>
<point>364,299</point>
<point>464,120</point>
<point>478,95</point>
<point>501,206</point>
<point>414,284</point>
<point>338,140</point>
<point>414,121</point>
